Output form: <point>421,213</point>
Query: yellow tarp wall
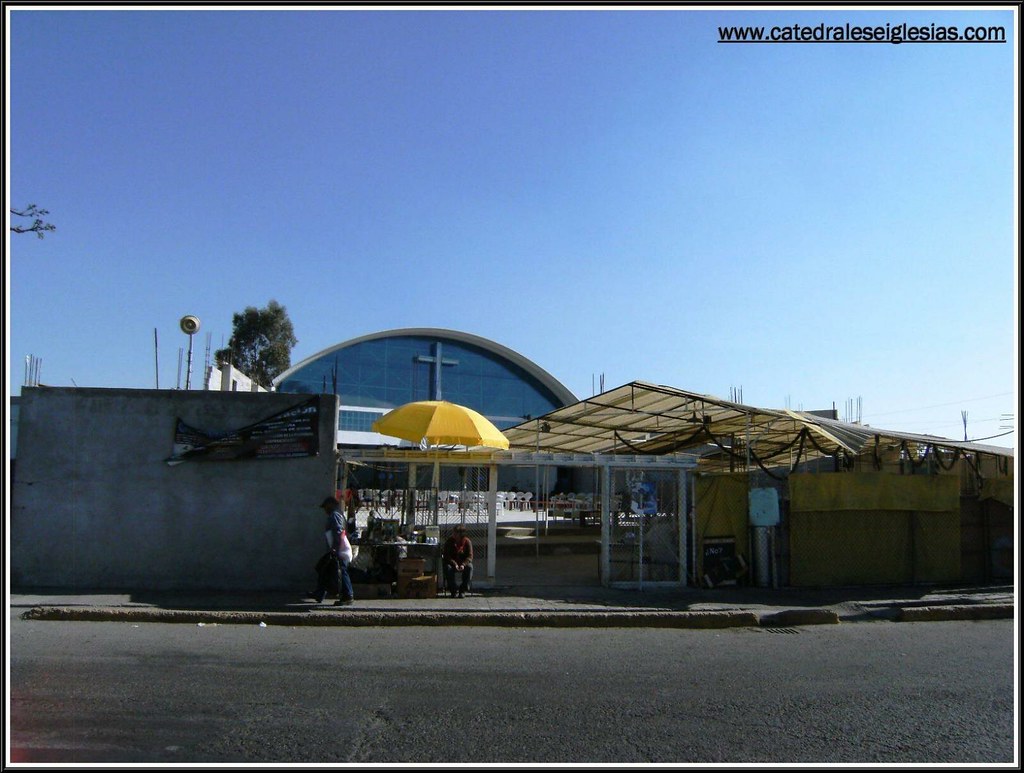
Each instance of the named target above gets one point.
<point>999,489</point>
<point>872,491</point>
<point>863,528</point>
<point>721,511</point>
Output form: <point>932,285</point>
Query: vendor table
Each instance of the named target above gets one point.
<point>388,554</point>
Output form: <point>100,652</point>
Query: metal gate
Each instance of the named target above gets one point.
<point>646,544</point>
<point>639,501</point>
<point>461,496</point>
<point>457,495</point>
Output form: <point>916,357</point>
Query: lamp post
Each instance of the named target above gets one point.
<point>189,326</point>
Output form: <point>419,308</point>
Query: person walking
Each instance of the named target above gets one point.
<point>332,568</point>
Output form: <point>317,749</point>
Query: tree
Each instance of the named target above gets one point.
<point>261,344</point>
<point>39,226</point>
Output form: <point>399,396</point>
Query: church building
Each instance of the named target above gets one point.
<point>375,373</point>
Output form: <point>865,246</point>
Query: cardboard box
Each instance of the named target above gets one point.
<point>402,585</point>
<point>424,592</point>
<point>421,587</point>
<point>411,566</point>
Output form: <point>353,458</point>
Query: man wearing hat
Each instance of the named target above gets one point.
<point>332,569</point>
<point>457,556</point>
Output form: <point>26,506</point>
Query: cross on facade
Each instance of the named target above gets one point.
<point>438,361</point>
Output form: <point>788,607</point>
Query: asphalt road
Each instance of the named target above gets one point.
<point>936,692</point>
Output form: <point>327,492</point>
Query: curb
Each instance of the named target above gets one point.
<point>790,617</point>
<point>630,619</point>
<point>532,619</point>
<point>957,612</point>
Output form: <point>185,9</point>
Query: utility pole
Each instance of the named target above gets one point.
<point>189,326</point>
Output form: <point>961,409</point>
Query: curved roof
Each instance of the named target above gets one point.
<point>545,378</point>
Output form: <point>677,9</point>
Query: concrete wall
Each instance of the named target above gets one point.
<point>12,427</point>
<point>95,505</point>
<point>227,378</point>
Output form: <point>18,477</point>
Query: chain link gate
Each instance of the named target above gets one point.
<point>462,499</point>
<point>644,536</point>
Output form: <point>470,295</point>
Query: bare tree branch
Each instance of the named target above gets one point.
<point>39,226</point>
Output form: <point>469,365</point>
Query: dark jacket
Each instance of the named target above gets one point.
<point>459,551</point>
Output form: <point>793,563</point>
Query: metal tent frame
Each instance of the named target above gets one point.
<point>604,463</point>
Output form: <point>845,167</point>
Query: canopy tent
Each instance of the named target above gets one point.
<point>644,418</point>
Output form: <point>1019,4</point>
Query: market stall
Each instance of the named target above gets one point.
<point>409,560</point>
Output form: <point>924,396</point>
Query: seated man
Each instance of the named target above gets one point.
<point>457,556</point>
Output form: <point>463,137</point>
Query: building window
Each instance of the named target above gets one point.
<point>357,421</point>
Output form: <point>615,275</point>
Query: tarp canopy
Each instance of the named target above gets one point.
<point>645,418</point>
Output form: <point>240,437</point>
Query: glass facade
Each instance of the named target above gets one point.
<point>390,371</point>
<point>358,421</point>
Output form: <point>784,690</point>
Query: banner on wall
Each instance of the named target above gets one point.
<point>292,433</point>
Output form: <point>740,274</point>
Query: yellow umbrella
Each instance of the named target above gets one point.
<point>440,423</point>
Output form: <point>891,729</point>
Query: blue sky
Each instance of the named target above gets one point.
<point>604,191</point>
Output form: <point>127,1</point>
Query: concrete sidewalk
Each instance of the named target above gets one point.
<point>533,605</point>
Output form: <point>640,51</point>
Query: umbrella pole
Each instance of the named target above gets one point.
<point>435,484</point>
<point>410,498</point>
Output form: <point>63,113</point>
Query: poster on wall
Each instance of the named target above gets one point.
<point>294,432</point>
<point>642,497</point>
